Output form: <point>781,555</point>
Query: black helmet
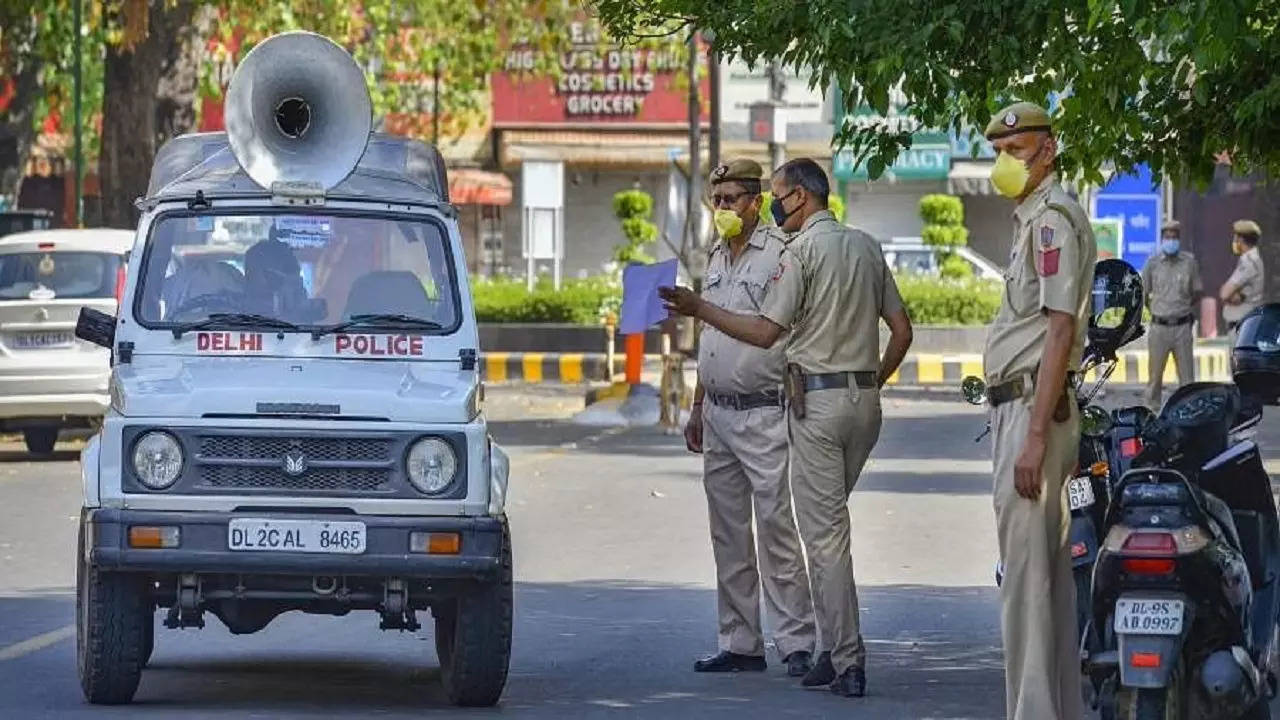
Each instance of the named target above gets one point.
<point>1115,307</point>
<point>1255,359</point>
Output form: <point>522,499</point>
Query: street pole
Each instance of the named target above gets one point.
<point>435,105</point>
<point>777,89</point>
<point>713,138</point>
<point>79,150</point>
<point>695,147</point>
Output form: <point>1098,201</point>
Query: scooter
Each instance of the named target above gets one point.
<point>1185,594</point>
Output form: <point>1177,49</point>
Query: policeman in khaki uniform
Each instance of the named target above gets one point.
<point>1242,292</point>
<point>738,423</point>
<point>1171,278</point>
<point>830,290</point>
<point>1036,339</point>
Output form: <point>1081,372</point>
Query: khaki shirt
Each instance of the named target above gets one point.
<point>1248,278</point>
<point>1050,268</point>
<point>727,365</point>
<point>1172,284</point>
<point>831,290</point>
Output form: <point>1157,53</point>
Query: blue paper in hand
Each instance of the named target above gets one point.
<point>641,306</point>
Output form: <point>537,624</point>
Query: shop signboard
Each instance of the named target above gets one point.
<point>599,82</point>
<point>1136,204</point>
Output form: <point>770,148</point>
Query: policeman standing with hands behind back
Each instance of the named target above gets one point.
<point>831,290</point>
<point>742,433</point>
<point>1036,339</point>
<point>1172,280</point>
<point>1242,292</point>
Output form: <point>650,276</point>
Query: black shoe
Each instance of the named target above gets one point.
<point>799,663</point>
<point>726,661</point>
<point>852,683</point>
<point>822,672</point>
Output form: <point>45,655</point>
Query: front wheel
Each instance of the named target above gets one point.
<point>113,612</point>
<point>473,638</point>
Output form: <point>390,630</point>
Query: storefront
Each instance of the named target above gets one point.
<point>616,119</point>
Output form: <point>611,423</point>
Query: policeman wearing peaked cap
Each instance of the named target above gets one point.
<point>738,424</point>
<point>1037,337</point>
<point>1171,278</point>
<point>1243,291</point>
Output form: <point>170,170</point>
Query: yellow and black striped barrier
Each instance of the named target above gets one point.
<point>918,369</point>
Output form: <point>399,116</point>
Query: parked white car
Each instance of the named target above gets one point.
<point>912,255</point>
<point>49,380</point>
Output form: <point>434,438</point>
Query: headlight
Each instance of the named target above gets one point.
<point>157,460</point>
<point>431,465</point>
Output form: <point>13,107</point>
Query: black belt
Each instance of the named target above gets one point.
<point>746,401</point>
<point>1015,389</point>
<point>1173,321</point>
<point>831,381</point>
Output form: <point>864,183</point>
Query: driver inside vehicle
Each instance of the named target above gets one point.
<point>274,285</point>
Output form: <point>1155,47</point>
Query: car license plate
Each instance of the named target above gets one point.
<point>307,536</point>
<point>42,340</point>
<point>1148,616</point>
<point>1080,492</point>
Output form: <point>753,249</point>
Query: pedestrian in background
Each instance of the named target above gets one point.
<point>742,435</point>
<point>1242,292</point>
<point>1037,338</point>
<point>830,290</point>
<point>1171,279</point>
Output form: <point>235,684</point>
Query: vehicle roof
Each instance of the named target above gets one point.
<point>70,240</point>
<point>392,168</point>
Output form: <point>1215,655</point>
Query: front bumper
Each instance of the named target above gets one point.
<point>204,549</point>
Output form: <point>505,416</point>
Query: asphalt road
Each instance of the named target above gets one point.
<point>614,596</point>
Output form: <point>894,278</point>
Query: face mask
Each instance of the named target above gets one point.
<point>728,222</point>
<point>1010,175</point>
<point>1169,246</point>
<point>779,212</point>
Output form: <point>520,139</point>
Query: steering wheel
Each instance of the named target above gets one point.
<point>220,301</point>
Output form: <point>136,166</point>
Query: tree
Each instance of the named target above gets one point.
<point>944,229</point>
<point>1171,84</point>
<point>634,208</point>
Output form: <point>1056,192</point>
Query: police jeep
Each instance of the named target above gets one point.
<point>295,414</point>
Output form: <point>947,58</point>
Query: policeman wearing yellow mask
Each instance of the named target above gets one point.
<point>738,424</point>
<point>1036,339</point>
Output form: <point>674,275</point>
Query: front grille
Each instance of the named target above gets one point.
<point>262,447</point>
<point>267,478</point>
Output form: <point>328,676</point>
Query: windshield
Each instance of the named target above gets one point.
<point>51,275</point>
<point>303,270</point>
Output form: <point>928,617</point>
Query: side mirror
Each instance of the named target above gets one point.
<point>96,327</point>
<point>1094,421</point>
<point>974,390</point>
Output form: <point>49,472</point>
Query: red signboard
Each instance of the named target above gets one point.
<point>598,84</point>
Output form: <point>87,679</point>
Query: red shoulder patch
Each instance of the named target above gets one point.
<point>1047,262</point>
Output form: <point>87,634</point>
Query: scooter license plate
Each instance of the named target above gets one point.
<point>1148,616</point>
<point>1080,492</point>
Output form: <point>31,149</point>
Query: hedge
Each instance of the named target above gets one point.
<point>929,300</point>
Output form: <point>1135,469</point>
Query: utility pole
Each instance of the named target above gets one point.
<point>692,205</point>
<point>777,90</point>
<point>76,82</point>
<point>713,138</point>
<point>435,104</point>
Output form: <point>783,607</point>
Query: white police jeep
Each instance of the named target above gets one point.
<point>295,401</point>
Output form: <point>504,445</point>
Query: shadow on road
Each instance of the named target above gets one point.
<point>581,650</point>
<point>15,456</point>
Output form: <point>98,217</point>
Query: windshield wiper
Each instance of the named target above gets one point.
<point>233,320</point>
<point>399,320</point>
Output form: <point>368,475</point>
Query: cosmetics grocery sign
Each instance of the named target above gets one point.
<point>599,83</point>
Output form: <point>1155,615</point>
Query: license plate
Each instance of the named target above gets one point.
<point>42,340</point>
<point>306,536</point>
<point>1148,616</point>
<point>1080,492</point>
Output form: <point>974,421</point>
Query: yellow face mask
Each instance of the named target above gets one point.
<point>1010,175</point>
<point>728,223</point>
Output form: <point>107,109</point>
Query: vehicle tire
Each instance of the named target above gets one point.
<point>473,637</point>
<point>1168,703</point>
<point>113,611</point>
<point>40,441</point>
<point>1084,598</point>
<point>148,638</point>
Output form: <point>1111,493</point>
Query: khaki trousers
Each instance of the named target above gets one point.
<point>1161,341</point>
<point>1041,649</point>
<point>829,446</point>
<point>745,463</point>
